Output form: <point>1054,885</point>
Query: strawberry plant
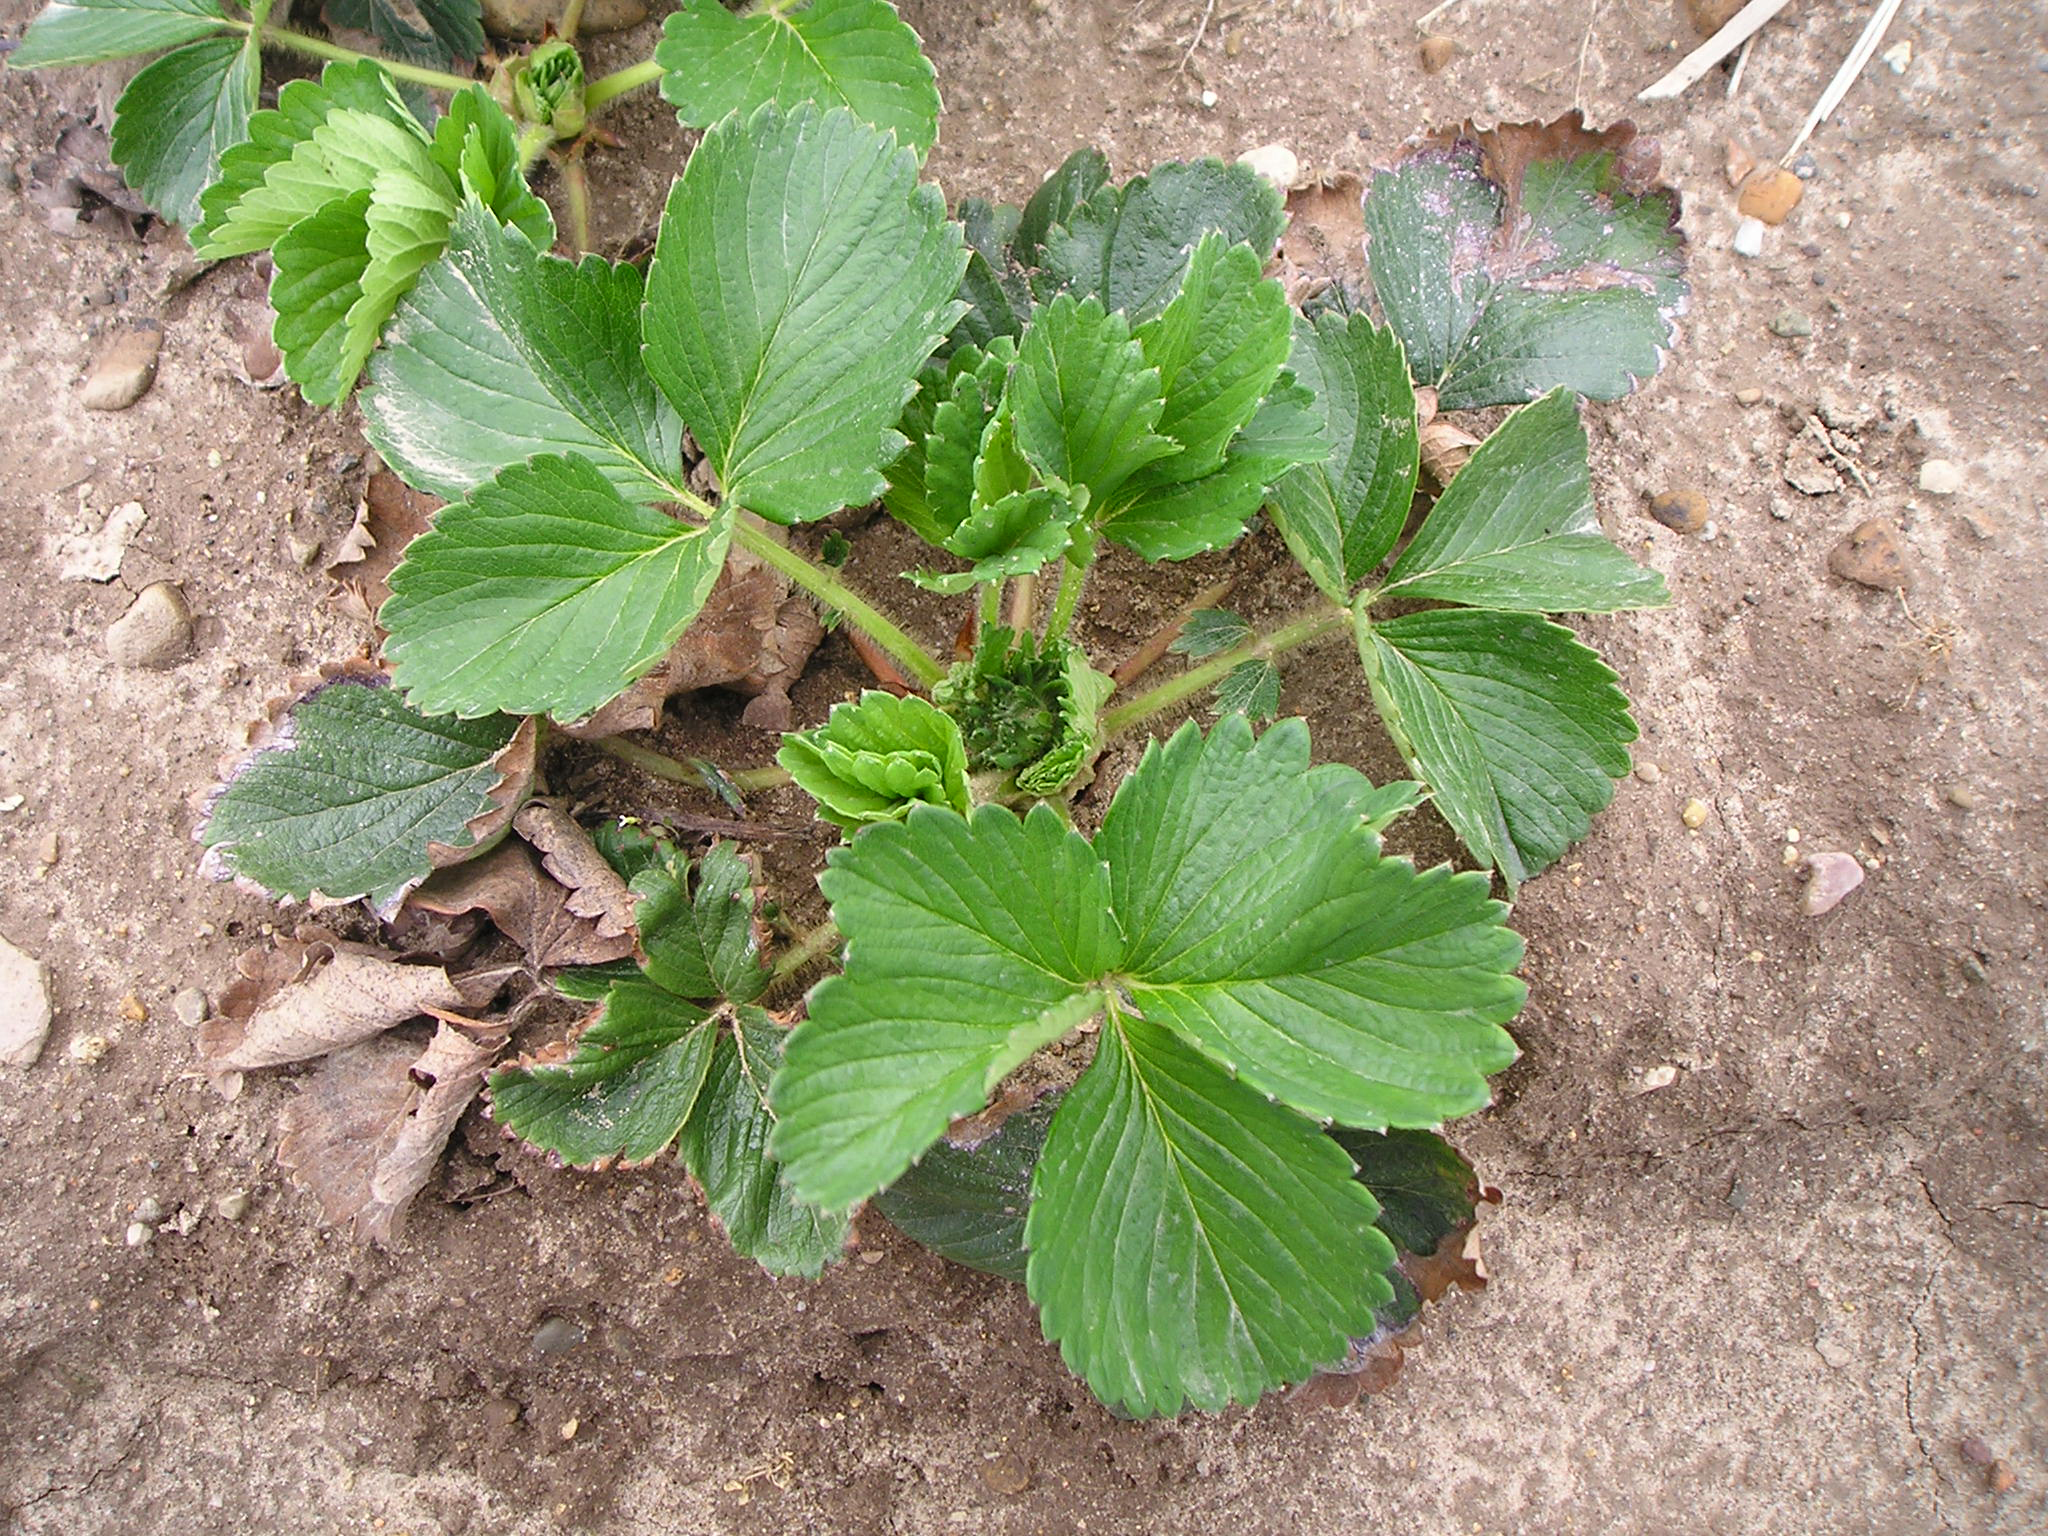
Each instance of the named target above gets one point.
<point>1170,1055</point>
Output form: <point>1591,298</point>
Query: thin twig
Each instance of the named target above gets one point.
<point>1201,28</point>
<point>1859,56</point>
<point>725,826</point>
<point>1585,44</point>
<point>1742,26</point>
<point>1146,656</point>
<point>1422,22</point>
<point>1741,64</point>
<point>878,662</point>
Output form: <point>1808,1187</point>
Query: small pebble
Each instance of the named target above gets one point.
<point>569,1428</point>
<point>1939,477</point>
<point>557,1336</point>
<point>1657,1077</point>
<point>1898,56</point>
<point>1770,195</point>
<point>1829,878</point>
<point>1649,773</point>
<point>2002,1479</point>
<point>124,369</point>
<point>1005,1473</point>
<point>1962,797</point>
<point>1694,814</point>
<point>24,1007</point>
<point>189,1004</point>
<point>233,1205</point>
<point>148,1209</point>
<point>132,1009</point>
<point>139,1233</point>
<point>1208,98</point>
<point>1806,167</point>
<point>1276,162</point>
<point>1749,395</point>
<point>1870,555</point>
<point>1437,53</point>
<point>304,551</point>
<point>89,1050</point>
<point>1682,511</point>
<point>156,631</point>
<point>1749,237</point>
<point>1791,324</point>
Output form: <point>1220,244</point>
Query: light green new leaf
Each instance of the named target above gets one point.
<point>1083,692</point>
<point>88,31</point>
<point>932,483</point>
<point>179,115</point>
<point>873,760</point>
<point>1517,728</point>
<point>724,1144</point>
<point>476,144</point>
<point>343,154</point>
<point>856,54</point>
<point>501,353</point>
<point>1516,528</point>
<point>316,277</point>
<point>801,278</point>
<point>976,941</point>
<point>350,799</point>
<point>303,107</point>
<point>545,592</point>
<point>1128,246</point>
<point>407,221</point>
<point>1191,1242</point>
<point>1262,923</point>
<point>1010,537</point>
<point>1341,517</point>
<point>1085,401</point>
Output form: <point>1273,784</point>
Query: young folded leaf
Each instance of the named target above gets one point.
<point>872,761</point>
<point>1027,711</point>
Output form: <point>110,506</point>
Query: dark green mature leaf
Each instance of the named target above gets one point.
<point>1517,728</point>
<point>1425,1189</point>
<point>976,941</point>
<point>545,592</point>
<point>699,937</point>
<point>1190,1241</point>
<point>856,54</point>
<point>724,1143</point>
<point>1251,689</point>
<point>1262,923</point>
<point>1086,402</point>
<point>1209,632</point>
<point>178,116</point>
<point>968,1204</point>
<point>317,268</point>
<point>1342,516</point>
<point>351,796</point>
<point>997,297</point>
<point>1516,528</point>
<point>431,32</point>
<point>1078,178</point>
<point>1524,258</point>
<point>501,353</point>
<point>801,278</point>
<point>873,760</point>
<point>88,31</point>
<point>1129,246</point>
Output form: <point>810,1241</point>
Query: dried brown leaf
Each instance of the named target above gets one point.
<point>391,516</point>
<point>1507,150</point>
<point>365,1132</point>
<point>529,907</point>
<point>1325,237</point>
<point>567,852</point>
<point>1446,449</point>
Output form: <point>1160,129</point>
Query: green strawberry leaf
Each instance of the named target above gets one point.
<point>501,353</point>
<point>968,1204</point>
<point>699,940</point>
<point>978,940</point>
<point>1425,1189</point>
<point>932,482</point>
<point>997,297</point>
<point>476,144</point>
<point>1518,259</point>
<point>1516,529</point>
<point>1210,632</point>
<point>1083,691</point>
<point>407,227</point>
<point>357,794</point>
<point>1341,517</point>
<point>89,31</point>
<point>1518,729</point>
<point>545,592</point>
<point>855,54</point>
<point>431,32</point>
<point>1084,399</point>
<point>801,278</point>
<point>179,115</point>
<point>342,154</point>
<point>1009,537</point>
<point>1078,178</point>
<point>1251,689</point>
<point>873,760</point>
<point>1190,1241</point>
<point>1129,246</point>
<point>317,268</point>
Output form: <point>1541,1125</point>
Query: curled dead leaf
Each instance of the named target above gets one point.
<point>1507,150</point>
<point>566,851</point>
<point>1324,242</point>
<point>391,516</point>
<point>365,1131</point>
<point>1446,449</point>
<point>530,908</point>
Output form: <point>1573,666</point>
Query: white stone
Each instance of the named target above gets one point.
<point>1940,477</point>
<point>24,1007</point>
<point>1749,238</point>
<point>1276,162</point>
<point>96,556</point>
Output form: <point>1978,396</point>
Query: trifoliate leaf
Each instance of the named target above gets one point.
<point>356,793</point>
<point>872,761</point>
<point>1079,177</point>
<point>1190,1241</point>
<point>88,31</point>
<point>978,940</point>
<point>1085,401</point>
<point>699,937</point>
<point>856,54</point>
<point>179,115</point>
<point>724,1144</point>
<point>1210,631</point>
<point>1262,923</point>
<point>801,278</point>
<point>968,1204</point>
<point>1516,528</point>
<point>1517,728</point>
<point>431,32</point>
<point>1128,246</point>
<point>1251,689</point>
<point>317,269</point>
<point>303,107</point>
<point>1518,259</point>
<point>501,353</point>
<point>1342,516</point>
<point>545,592</point>
<point>343,154</point>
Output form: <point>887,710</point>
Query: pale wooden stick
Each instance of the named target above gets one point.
<point>1845,77</point>
<point>1741,64</point>
<point>1742,26</point>
<point>1423,21</point>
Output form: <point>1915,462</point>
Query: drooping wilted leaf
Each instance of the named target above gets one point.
<point>348,791</point>
<point>792,378</point>
<point>1516,528</point>
<point>391,516</point>
<point>1517,728</point>
<point>873,760</point>
<point>856,54</point>
<point>179,115</point>
<point>89,31</point>
<point>1517,259</point>
<point>968,1204</point>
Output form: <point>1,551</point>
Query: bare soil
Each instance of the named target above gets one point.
<point>1776,1295</point>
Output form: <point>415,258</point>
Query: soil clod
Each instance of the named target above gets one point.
<point>156,631</point>
<point>1871,555</point>
<point>124,369</point>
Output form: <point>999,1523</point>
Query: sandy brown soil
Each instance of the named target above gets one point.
<point>1776,1295</point>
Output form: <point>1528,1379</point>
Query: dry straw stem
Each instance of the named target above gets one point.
<point>1859,56</point>
<point>1742,26</point>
